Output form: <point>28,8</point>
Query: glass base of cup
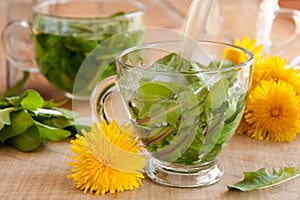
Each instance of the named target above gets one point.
<point>189,176</point>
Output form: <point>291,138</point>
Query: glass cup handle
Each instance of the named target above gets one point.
<point>25,65</point>
<point>295,15</point>
<point>100,101</point>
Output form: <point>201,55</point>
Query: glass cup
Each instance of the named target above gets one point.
<point>65,32</point>
<point>185,106</point>
<point>277,28</point>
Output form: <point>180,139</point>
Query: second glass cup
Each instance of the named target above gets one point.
<point>65,32</point>
<point>185,106</point>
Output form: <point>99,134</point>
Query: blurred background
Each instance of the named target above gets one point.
<point>160,13</point>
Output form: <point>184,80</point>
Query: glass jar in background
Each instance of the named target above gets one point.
<point>275,27</point>
<point>65,32</point>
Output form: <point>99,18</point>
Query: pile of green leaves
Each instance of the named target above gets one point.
<point>187,122</point>
<point>28,121</point>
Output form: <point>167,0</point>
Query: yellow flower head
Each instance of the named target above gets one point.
<point>273,108</point>
<point>249,44</point>
<point>273,111</point>
<point>237,56</point>
<point>107,160</point>
<point>274,67</point>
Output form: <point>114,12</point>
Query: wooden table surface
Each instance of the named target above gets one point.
<point>42,174</point>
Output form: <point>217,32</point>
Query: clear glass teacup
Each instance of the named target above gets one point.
<point>65,32</point>
<point>185,106</point>
<point>277,28</point>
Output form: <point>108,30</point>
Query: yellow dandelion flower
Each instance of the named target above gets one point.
<point>237,56</point>
<point>273,110</point>
<point>274,67</point>
<point>249,44</point>
<point>107,160</point>
<point>234,55</point>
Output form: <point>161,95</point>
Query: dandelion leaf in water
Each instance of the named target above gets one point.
<point>155,97</point>
<point>175,62</point>
<point>172,62</point>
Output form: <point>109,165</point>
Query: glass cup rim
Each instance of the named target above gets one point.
<point>36,10</point>
<point>151,45</point>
